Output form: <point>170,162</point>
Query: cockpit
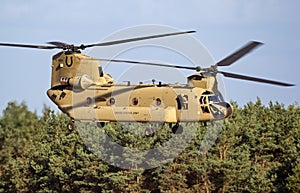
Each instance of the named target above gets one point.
<point>214,104</point>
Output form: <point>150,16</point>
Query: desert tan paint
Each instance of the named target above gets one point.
<point>82,91</point>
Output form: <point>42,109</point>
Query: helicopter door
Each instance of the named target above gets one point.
<point>182,102</point>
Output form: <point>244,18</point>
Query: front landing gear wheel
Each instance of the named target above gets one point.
<point>150,132</point>
<point>71,125</point>
<point>100,124</point>
<point>177,129</point>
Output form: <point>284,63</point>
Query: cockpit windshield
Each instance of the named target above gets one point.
<point>214,98</point>
<point>209,97</point>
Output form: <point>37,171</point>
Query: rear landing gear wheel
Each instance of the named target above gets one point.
<point>150,132</point>
<point>71,125</point>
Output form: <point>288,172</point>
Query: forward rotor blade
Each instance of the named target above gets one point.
<point>243,77</point>
<point>239,53</point>
<point>58,44</point>
<point>29,46</point>
<point>151,64</point>
<point>137,39</point>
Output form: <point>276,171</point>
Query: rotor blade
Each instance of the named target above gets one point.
<point>243,77</point>
<point>151,64</point>
<point>58,44</point>
<point>239,53</point>
<point>28,46</point>
<point>137,39</point>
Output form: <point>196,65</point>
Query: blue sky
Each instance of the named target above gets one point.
<point>222,27</point>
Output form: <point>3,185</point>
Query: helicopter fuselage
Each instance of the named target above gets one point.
<point>83,91</point>
<point>140,103</point>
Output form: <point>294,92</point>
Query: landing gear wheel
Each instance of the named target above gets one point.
<point>100,124</point>
<point>150,132</point>
<point>177,129</point>
<point>71,125</point>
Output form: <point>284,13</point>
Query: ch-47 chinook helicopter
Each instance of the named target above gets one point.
<point>81,89</point>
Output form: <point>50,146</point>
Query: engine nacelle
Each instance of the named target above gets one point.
<point>78,82</point>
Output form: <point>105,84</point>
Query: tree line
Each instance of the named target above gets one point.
<point>254,150</point>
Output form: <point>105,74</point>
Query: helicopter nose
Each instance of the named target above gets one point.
<point>55,95</point>
<point>221,110</point>
<point>52,95</point>
<point>229,109</point>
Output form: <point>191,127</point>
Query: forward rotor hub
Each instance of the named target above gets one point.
<point>212,69</point>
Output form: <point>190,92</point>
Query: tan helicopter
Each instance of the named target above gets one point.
<point>81,89</point>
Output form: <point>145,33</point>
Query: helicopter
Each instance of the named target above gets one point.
<point>82,90</point>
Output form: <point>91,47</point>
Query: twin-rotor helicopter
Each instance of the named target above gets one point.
<point>82,90</point>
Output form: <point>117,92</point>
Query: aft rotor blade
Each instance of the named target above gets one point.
<point>151,64</point>
<point>239,53</point>
<point>137,39</point>
<point>249,78</point>
<point>29,46</point>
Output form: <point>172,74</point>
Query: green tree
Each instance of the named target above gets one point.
<point>18,127</point>
<point>254,150</point>
<point>293,184</point>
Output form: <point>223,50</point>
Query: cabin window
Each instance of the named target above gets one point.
<point>135,101</point>
<point>185,101</point>
<point>158,101</point>
<point>89,100</point>
<point>100,71</point>
<point>112,101</point>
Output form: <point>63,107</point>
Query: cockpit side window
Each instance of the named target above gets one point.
<point>205,109</point>
<point>203,100</point>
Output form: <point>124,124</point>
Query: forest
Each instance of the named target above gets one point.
<point>254,150</point>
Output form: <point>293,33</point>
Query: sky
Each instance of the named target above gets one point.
<point>222,27</point>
